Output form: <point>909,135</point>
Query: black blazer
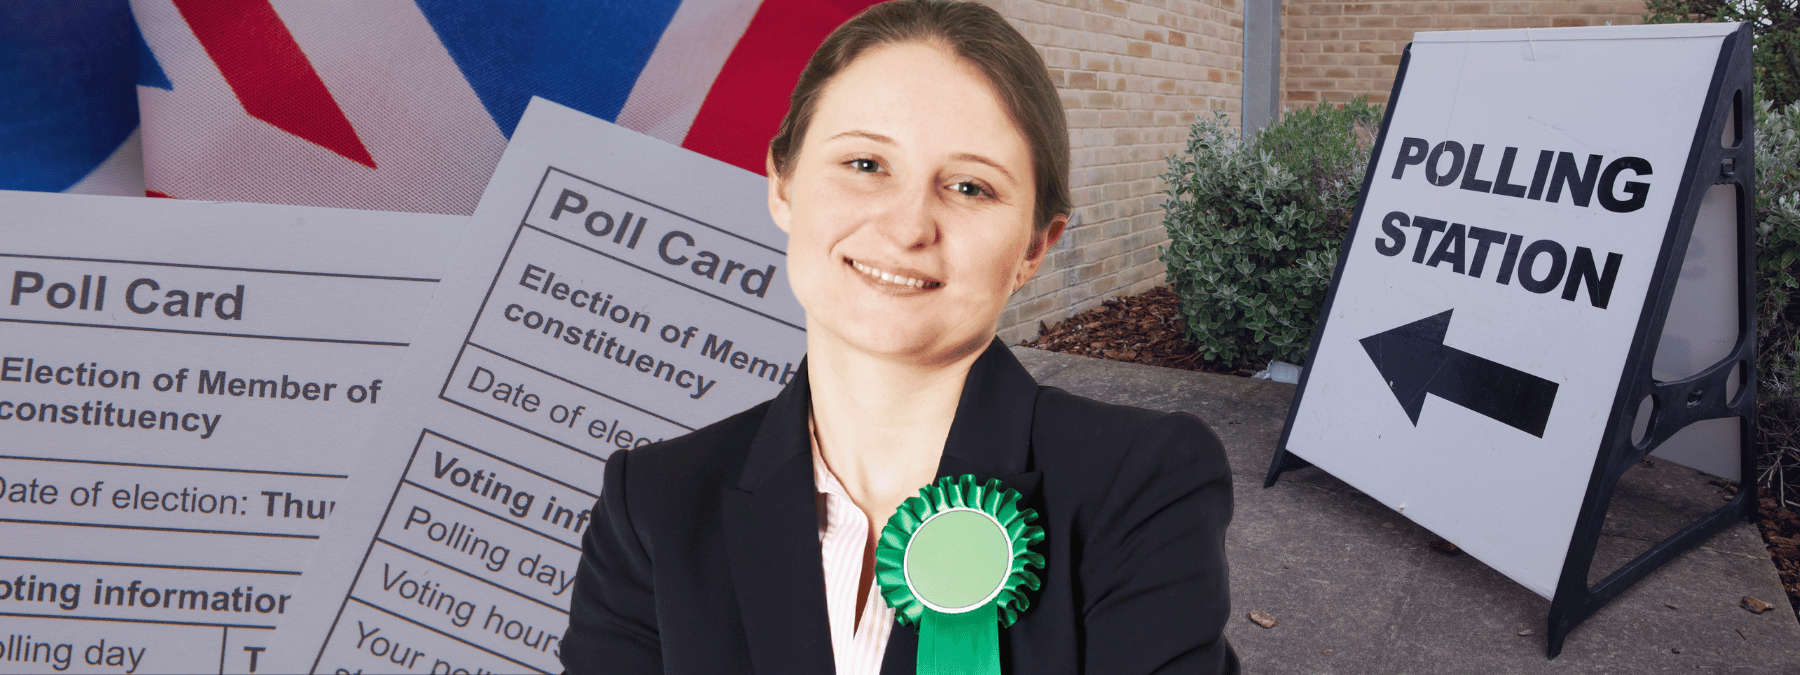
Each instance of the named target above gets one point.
<point>703,556</point>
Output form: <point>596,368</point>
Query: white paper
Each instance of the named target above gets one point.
<point>457,542</point>
<point>244,399</point>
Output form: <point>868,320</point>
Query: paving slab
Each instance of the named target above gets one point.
<point>1356,588</point>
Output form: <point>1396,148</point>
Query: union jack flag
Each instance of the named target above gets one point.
<point>400,105</point>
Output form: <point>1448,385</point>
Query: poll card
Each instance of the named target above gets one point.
<point>182,386</point>
<point>612,291</point>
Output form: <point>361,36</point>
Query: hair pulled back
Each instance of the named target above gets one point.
<point>978,35</point>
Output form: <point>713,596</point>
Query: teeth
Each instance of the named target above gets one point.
<point>889,276</point>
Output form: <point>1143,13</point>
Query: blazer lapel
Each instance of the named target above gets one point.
<point>772,543</point>
<point>991,436</point>
<point>902,655</point>
<point>771,515</point>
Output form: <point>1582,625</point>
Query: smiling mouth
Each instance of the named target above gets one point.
<point>893,278</point>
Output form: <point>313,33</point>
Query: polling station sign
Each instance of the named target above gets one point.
<point>1486,342</point>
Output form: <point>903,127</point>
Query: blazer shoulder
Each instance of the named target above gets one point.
<point>711,455</point>
<point>1103,436</point>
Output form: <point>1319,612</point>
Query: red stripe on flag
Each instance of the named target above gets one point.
<point>744,108</point>
<point>270,75</point>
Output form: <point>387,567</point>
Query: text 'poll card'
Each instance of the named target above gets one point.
<point>182,387</point>
<point>612,291</point>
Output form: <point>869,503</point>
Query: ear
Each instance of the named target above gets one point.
<point>779,208</point>
<point>1040,248</point>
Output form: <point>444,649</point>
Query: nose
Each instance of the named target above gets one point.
<point>911,218</point>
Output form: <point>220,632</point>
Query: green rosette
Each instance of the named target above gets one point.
<point>955,562</point>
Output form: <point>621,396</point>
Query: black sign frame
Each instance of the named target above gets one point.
<point>1676,403</point>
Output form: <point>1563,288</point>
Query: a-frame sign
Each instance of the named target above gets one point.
<point>1492,356</point>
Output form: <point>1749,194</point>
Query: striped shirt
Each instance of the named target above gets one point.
<point>844,535</point>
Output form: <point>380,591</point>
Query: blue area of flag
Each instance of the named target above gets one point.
<point>150,72</point>
<point>68,90</point>
<point>584,54</point>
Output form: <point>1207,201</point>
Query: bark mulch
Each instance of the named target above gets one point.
<point>1146,329</point>
<point>1136,329</point>
<point>1781,531</point>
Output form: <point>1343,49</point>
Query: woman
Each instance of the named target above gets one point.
<point>921,175</point>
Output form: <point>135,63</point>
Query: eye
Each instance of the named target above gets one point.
<point>864,165</point>
<point>972,189</point>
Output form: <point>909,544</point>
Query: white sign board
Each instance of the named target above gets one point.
<point>182,385</point>
<point>1491,289</point>
<point>613,290</point>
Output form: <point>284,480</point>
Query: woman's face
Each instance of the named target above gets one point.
<point>908,208</point>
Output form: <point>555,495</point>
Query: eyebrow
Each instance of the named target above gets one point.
<point>978,159</point>
<point>878,138</point>
<point>961,156</point>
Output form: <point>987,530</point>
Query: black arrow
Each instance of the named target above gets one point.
<point>1415,362</point>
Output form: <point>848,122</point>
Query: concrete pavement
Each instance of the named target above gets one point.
<point>1356,588</point>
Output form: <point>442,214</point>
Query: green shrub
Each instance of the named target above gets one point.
<point>1775,56</point>
<point>1254,228</point>
<point>1778,293</point>
<point>1775,30</point>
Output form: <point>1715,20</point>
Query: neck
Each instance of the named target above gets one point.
<point>881,423</point>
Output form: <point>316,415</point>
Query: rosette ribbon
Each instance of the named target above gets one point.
<point>953,562</point>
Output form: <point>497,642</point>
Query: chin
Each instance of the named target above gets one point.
<point>921,349</point>
<point>895,346</point>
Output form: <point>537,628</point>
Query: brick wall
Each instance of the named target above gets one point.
<point>1133,76</point>
<point>1335,51</point>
